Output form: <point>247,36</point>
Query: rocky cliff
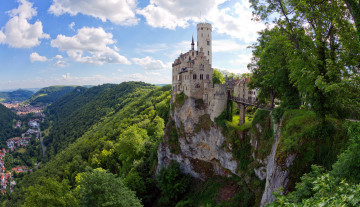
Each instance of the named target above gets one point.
<point>204,149</point>
<point>193,140</point>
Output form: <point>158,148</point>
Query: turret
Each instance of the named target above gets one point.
<point>204,39</point>
<point>192,43</point>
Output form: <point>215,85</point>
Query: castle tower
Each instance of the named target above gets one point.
<point>204,39</point>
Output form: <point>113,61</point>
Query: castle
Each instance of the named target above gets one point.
<point>192,75</point>
<point>192,72</point>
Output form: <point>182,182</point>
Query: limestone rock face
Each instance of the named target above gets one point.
<point>276,177</point>
<point>203,152</point>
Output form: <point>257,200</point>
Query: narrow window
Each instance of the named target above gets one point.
<point>208,42</point>
<point>208,52</point>
<point>207,77</point>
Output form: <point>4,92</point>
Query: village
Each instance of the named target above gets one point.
<point>22,109</point>
<point>33,131</point>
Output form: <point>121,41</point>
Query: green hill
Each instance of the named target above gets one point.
<point>73,114</point>
<point>7,118</point>
<point>124,124</point>
<point>48,95</point>
<point>18,95</point>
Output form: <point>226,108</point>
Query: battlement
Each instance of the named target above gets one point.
<point>204,25</point>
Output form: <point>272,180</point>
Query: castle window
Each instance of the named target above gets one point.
<point>201,28</point>
<point>208,42</point>
<point>201,76</point>
<point>208,52</point>
<point>192,53</point>
<point>194,76</point>
<point>207,77</point>
<point>201,67</point>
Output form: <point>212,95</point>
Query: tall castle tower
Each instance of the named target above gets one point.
<point>204,40</point>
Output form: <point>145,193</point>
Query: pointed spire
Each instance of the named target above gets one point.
<point>192,43</point>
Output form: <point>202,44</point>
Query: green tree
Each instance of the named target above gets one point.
<point>354,8</point>
<point>130,146</point>
<point>325,57</point>
<point>50,193</point>
<point>172,183</point>
<point>348,164</point>
<point>271,69</point>
<point>218,77</point>
<point>99,188</point>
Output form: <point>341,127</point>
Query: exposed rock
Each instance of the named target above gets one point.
<point>203,151</point>
<point>276,177</point>
<point>204,145</point>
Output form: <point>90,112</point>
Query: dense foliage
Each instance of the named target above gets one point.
<point>123,142</point>
<point>72,115</point>
<point>18,95</point>
<point>48,95</point>
<point>7,123</point>
<point>317,49</point>
<point>310,56</point>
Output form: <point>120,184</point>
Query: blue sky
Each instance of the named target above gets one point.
<point>90,42</point>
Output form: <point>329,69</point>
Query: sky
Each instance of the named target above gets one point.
<point>91,42</point>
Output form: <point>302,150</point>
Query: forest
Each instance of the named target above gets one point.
<point>309,61</point>
<point>48,95</point>
<point>102,142</point>
<point>17,95</point>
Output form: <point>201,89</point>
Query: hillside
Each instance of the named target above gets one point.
<point>73,114</point>
<point>126,130</point>
<point>48,95</point>
<point>18,95</point>
<point>7,118</point>
<point>123,140</point>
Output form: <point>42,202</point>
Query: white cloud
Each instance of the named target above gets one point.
<point>2,37</point>
<point>159,17</point>
<point>234,21</point>
<point>92,41</point>
<point>120,12</point>
<point>173,13</point>
<point>58,57</point>
<point>60,63</point>
<point>66,76</point>
<point>71,25</point>
<point>149,63</point>
<point>18,32</point>
<point>36,57</point>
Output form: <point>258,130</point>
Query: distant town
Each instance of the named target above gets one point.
<point>32,131</point>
